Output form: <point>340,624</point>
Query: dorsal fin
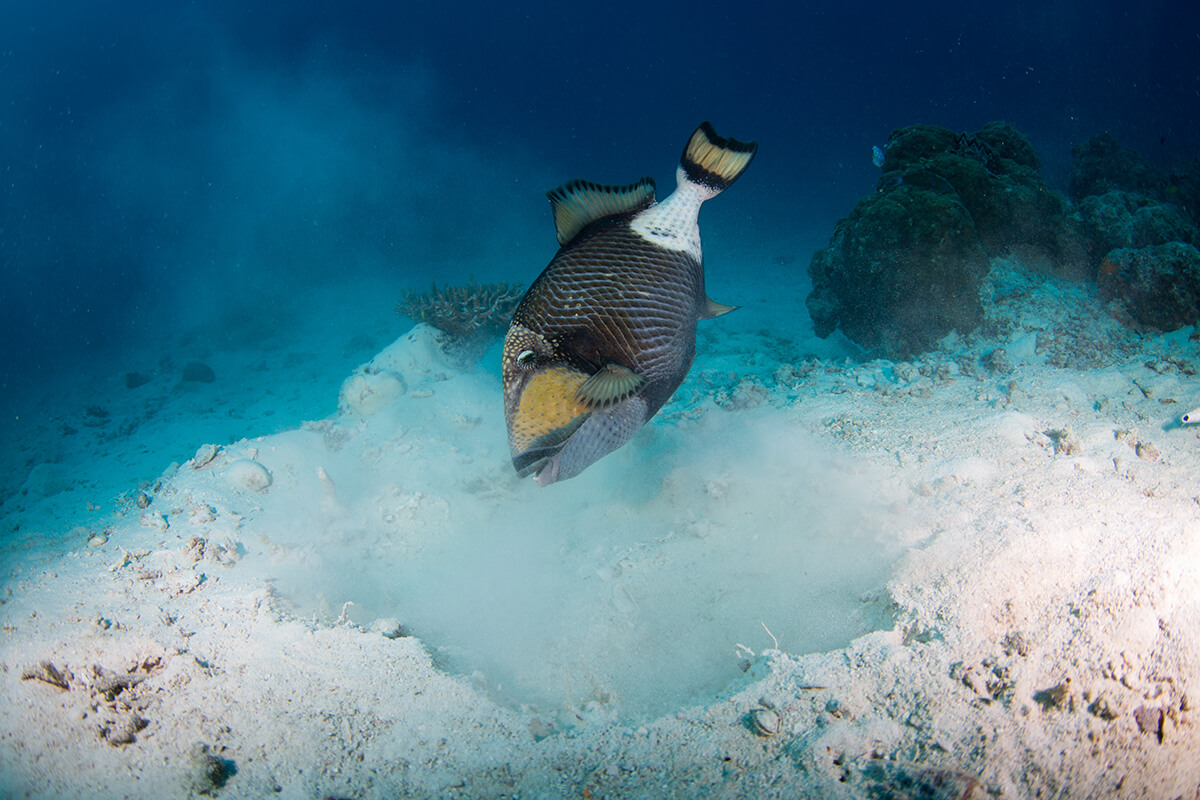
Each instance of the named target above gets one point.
<point>579,203</point>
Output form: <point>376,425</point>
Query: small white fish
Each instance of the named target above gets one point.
<point>1192,417</point>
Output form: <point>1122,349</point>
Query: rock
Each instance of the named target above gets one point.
<point>1056,696</point>
<point>247,474</point>
<point>994,174</point>
<point>110,683</point>
<point>198,372</point>
<point>1101,165</point>
<point>406,366</point>
<point>1149,720</point>
<point>764,721</point>
<point>204,456</point>
<point>122,729</point>
<point>1008,144</point>
<point>45,480</point>
<point>155,521</point>
<point>1183,188</point>
<point>1158,285</point>
<point>1066,443</point>
<point>904,269</point>
<point>135,379</point>
<point>1126,219</point>
<point>389,627</point>
<point>370,391</point>
<point>416,355</point>
<point>206,773</point>
<point>900,272</point>
<point>914,144</point>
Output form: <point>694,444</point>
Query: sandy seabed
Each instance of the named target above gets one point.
<point>972,575</point>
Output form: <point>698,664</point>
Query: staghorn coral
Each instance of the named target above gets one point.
<point>464,312</point>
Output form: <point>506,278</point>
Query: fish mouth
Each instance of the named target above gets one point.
<point>542,457</point>
<point>535,461</point>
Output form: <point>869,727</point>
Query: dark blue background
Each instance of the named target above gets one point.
<point>160,161</point>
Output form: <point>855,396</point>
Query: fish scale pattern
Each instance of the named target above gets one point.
<point>639,301</point>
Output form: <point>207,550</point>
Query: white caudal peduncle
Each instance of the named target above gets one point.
<point>672,223</point>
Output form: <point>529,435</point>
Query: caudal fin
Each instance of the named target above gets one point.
<point>714,162</point>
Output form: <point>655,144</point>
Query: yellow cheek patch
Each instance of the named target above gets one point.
<point>547,405</point>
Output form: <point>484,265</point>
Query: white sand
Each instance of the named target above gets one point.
<point>944,579</point>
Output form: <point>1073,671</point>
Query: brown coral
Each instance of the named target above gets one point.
<point>464,312</point>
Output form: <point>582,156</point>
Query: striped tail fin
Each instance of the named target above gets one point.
<point>714,162</point>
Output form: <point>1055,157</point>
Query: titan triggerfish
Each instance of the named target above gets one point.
<point>607,332</point>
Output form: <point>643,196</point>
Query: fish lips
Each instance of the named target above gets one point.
<point>541,462</point>
<point>542,412</point>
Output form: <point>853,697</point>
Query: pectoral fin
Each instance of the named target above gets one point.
<point>611,384</point>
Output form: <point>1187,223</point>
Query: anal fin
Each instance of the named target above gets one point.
<point>610,385</point>
<point>714,309</point>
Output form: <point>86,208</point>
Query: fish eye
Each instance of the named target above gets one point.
<point>527,359</point>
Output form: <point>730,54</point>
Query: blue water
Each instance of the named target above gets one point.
<point>169,169</point>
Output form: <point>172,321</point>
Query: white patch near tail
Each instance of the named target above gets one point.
<point>672,224</point>
<point>708,165</point>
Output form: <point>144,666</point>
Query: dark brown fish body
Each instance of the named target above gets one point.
<point>607,332</point>
<point>614,298</point>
